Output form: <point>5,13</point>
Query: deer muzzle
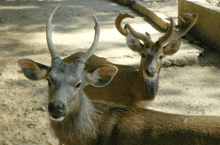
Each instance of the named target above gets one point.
<point>57,110</point>
<point>150,72</point>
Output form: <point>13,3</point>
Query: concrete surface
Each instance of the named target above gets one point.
<point>207,27</point>
<point>157,17</point>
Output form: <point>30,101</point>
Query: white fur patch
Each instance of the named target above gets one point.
<point>144,104</point>
<point>59,119</point>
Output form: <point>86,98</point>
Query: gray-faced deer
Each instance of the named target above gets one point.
<point>132,86</point>
<point>80,121</point>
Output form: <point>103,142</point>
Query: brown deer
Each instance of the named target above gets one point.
<point>132,86</point>
<point>80,121</point>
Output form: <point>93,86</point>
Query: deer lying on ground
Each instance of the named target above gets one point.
<point>80,121</point>
<point>132,86</point>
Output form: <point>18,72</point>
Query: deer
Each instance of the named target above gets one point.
<point>133,86</point>
<point>76,119</point>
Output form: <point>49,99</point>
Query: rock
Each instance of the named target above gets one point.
<point>7,142</point>
<point>167,63</point>
<point>191,60</point>
<point>196,42</point>
<point>212,1</point>
<point>42,108</point>
<point>20,71</point>
<point>179,61</point>
<point>31,125</point>
<point>154,5</point>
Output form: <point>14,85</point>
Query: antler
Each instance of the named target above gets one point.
<point>95,42</point>
<point>118,25</point>
<point>49,29</point>
<point>50,43</point>
<point>145,38</point>
<point>185,27</point>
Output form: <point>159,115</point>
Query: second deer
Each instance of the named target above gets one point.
<point>132,86</point>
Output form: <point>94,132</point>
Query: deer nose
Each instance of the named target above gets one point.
<point>150,72</point>
<point>57,109</point>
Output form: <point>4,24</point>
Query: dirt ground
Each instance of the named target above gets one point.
<point>192,90</point>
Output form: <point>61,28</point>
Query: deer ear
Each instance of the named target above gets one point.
<point>134,44</point>
<point>33,70</point>
<point>172,47</point>
<point>102,76</point>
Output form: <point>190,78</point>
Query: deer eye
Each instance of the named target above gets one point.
<point>161,57</point>
<point>78,85</point>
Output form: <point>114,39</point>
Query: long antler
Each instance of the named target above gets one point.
<point>50,43</point>
<point>49,29</point>
<point>95,42</point>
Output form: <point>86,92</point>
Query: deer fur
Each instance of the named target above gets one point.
<point>78,120</point>
<point>136,86</point>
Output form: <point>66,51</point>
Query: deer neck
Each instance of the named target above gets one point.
<point>78,124</point>
<point>150,84</point>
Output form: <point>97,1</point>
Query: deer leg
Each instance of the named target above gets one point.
<point>60,143</point>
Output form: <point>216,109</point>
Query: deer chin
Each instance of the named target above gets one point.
<point>149,77</point>
<point>57,118</point>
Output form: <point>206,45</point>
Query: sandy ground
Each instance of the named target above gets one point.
<point>192,90</point>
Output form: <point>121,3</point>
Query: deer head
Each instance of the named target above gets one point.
<point>151,52</point>
<point>66,80</point>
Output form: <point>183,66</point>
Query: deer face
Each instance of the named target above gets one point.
<point>152,56</point>
<point>151,52</point>
<point>151,59</point>
<point>66,81</point>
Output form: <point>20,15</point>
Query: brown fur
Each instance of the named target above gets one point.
<point>120,125</point>
<point>126,88</point>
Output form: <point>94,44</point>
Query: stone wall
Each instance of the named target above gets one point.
<point>207,27</point>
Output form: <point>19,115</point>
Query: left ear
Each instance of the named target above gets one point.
<point>33,70</point>
<point>172,47</point>
<point>101,76</point>
<point>134,44</point>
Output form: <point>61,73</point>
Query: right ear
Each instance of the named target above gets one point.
<point>134,44</point>
<point>172,47</point>
<point>33,70</point>
<point>102,76</point>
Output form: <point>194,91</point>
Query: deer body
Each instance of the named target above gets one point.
<point>120,125</point>
<point>130,93</point>
<point>79,120</point>
<point>132,86</point>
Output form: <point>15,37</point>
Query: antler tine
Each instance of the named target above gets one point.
<point>49,29</point>
<point>169,33</point>
<point>145,38</point>
<point>185,26</point>
<point>95,42</point>
<point>118,25</point>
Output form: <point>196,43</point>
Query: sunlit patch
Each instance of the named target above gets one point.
<point>18,7</point>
